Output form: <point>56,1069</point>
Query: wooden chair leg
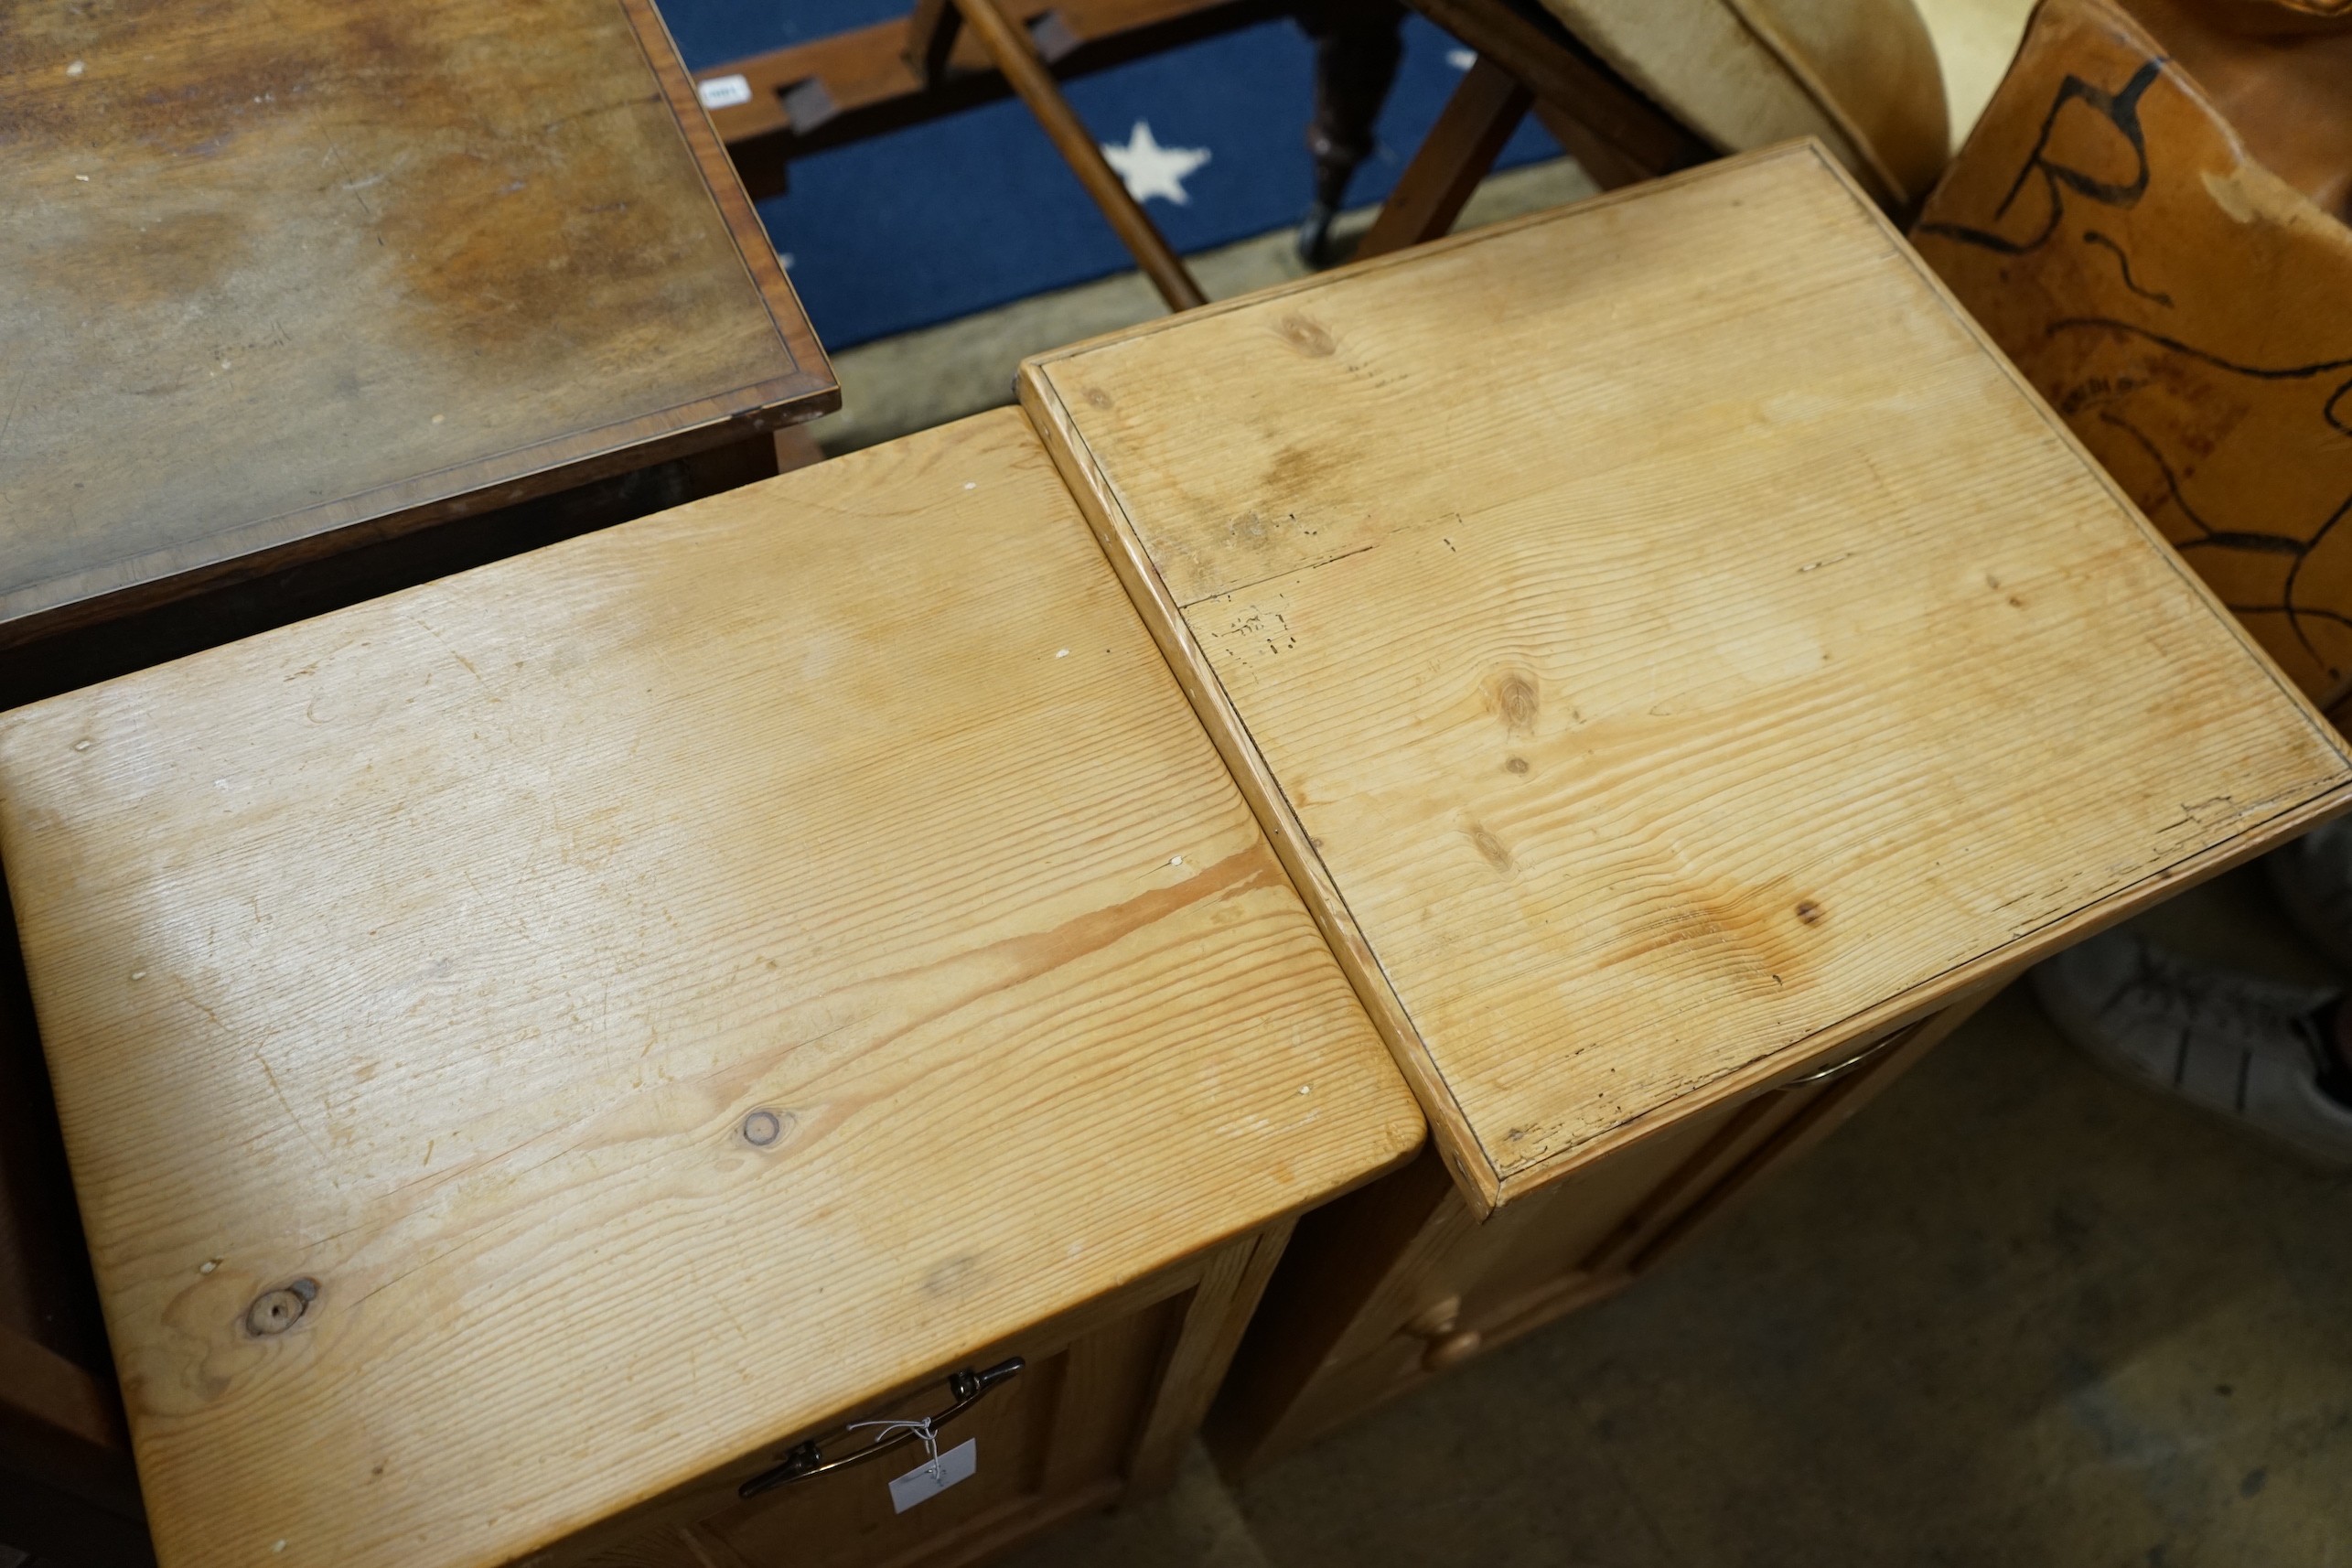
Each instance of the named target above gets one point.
<point>1607,164</point>
<point>931,29</point>
<point>1630,136</point>
<point>1357,44</point>
<point>795,448</point>
<point>1008,45</point>
<point>1452,158</point>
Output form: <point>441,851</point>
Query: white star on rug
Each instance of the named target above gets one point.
<point>1150,169</point>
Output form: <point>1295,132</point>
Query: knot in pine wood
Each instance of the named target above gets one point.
<point>763,1128</point>
<point>275,1311</point>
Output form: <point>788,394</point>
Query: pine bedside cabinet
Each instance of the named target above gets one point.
<point>545,1053</point>
<point>1684,667</point>
<point>302,301</point>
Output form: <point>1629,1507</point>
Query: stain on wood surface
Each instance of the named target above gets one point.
<point>1684,645</point>
<point>264,262</point>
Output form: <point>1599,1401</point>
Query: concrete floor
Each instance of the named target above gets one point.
<point>2014,1313</point>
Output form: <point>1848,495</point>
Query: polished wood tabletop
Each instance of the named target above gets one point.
<point>644,997</point>
<point>278,279</point>
<point>1669,644</point>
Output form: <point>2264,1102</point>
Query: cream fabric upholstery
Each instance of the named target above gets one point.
<point>1859,74</point>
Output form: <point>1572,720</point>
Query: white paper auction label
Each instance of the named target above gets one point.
<point>933,1476</point>
<point>723,91</point>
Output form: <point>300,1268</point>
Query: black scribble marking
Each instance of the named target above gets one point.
<point>2250,541</point>
<point>2120,109</point>
<point>2263,372</point>
<point>2296,614</point>
<point>2332,412</point>
<point>2093,237</point>
<point>2226,539</point>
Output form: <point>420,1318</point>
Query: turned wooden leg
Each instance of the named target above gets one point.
<point>1356,45</point>
<point>1605,123</point>
<point>1453,158</point>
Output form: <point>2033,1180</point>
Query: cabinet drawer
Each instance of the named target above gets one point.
<point>1403,1280</point>
<point>1102,1403</point>
<point>1050,1439</point>
<point>1450,1288</point>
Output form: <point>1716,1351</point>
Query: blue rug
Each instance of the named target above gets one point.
<point>977,210</point>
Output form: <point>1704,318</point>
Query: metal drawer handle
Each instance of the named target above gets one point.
<point>1839,1068</point>
<point>806,1461</point>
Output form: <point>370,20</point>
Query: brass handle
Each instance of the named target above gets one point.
<point>1445,1342</point>
<point>1434,1321</point>
<point>1839,1068</point>
<point>807,1460</point>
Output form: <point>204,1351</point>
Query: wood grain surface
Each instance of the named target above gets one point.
<point>275,270</point>
<point>653,994</point>
<point>1667,642</point>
